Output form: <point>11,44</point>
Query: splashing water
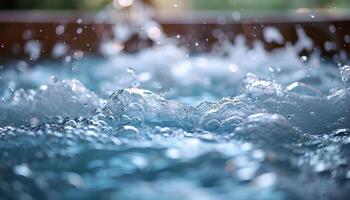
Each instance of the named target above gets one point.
<point>251,124</point>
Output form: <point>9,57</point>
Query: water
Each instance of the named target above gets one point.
<point>160,125</point>
<point>243,123</point>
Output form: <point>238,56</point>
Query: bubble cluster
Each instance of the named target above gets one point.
<point>67,98</point>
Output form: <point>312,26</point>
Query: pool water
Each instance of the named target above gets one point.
<point>166,124</point>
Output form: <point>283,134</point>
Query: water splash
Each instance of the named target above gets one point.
<point>248,124</point>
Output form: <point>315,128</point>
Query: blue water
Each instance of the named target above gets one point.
<point>164,125</point>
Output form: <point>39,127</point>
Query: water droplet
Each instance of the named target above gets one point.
<point>154,32</point>
<point>79,30</point>
<point>75,179</point>
<point>124,3</point>
<point>68,59</point>
<point>60,30</point>
<point>347,39</point>
<point>332,29</point>
<point>79,20</point>
<point>304,58</point>
<point>22,170</point>
<point>265,180</point>
<point>236,16</point>
<point>43,87</point>
<point>78,54</point>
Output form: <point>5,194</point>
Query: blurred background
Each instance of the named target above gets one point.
<point>185,4</point>
<point>85,24</point>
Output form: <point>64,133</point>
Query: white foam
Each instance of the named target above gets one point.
<point>68,98</point>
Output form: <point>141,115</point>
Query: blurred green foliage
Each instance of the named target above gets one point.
<point>196,4</point>
<point>268,4</point>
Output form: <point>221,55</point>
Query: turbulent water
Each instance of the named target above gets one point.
<point>163,124</point>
